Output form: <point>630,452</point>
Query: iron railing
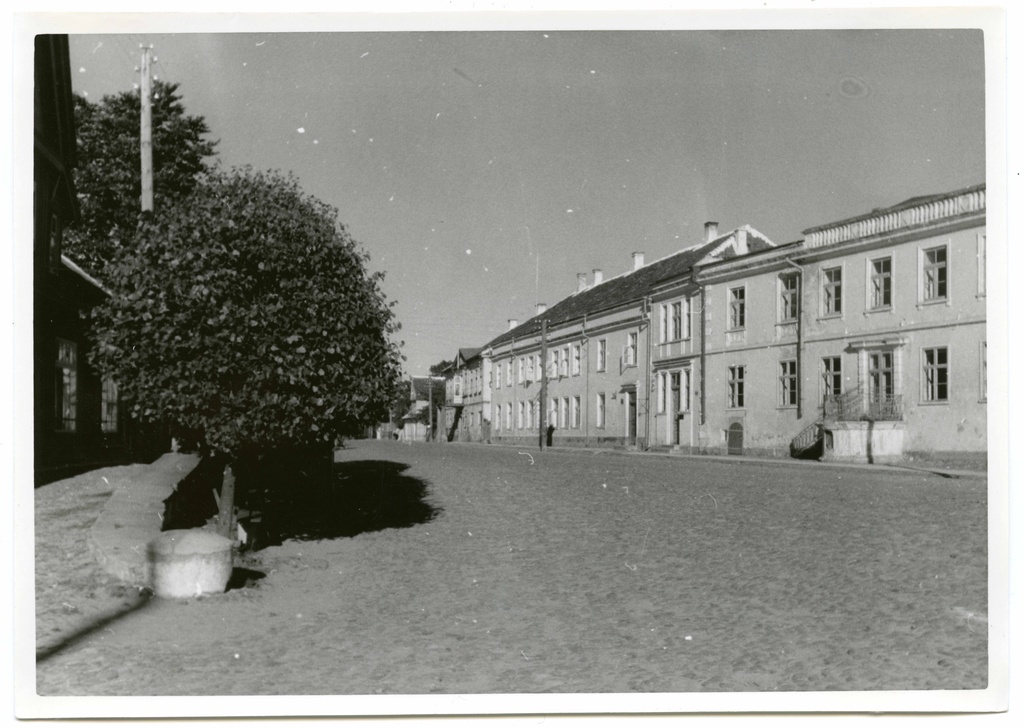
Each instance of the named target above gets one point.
<point>855,405</point>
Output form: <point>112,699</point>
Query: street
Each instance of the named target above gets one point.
<point>481,569</point>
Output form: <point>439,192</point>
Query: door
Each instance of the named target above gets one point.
<point>674,408</point>
<point>631,418</point>
<point>734,438</point>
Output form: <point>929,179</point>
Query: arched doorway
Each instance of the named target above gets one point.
<point>734,438</point>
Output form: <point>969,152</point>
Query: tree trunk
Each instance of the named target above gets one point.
<point>226,518</point>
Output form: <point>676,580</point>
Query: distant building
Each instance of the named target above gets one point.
<point>600,388</point>
<point>416,423</point>
<point>468,398</point>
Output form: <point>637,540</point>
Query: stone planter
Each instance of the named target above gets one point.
<point>187,563</point>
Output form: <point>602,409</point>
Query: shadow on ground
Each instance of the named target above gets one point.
<point>94,626</point>
<point>362,496</point>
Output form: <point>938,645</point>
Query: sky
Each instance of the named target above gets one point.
<point>483,170</point>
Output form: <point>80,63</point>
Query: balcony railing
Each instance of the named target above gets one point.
<point>856,406</point>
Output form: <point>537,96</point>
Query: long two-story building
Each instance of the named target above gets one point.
<point>865,341</point>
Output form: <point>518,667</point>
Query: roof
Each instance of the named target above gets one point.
<point>77,270</point>
<point>467,354</point>
<point>906,204</point>
<point>626,288</point>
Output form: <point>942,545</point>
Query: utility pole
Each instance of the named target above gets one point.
<point>147,132</point>
<point>543,380</point>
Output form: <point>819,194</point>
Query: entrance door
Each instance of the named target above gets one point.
<point>674,408</point>
<point>631,418</point>
<point>734,438</point>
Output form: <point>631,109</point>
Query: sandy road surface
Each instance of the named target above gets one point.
<point>553,572</point>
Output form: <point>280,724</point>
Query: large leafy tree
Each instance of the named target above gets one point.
<point>245,317</point>
<point>107,176</point>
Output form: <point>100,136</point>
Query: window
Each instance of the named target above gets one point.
<point>529,415</point>
<point>529,368</point>
<point>934,274</point>
<point>936,375</point>
<point>563,413</point>
<point>66,389</point>
<point>576,354</point>
<point>662,392</point>
<point>600,409</point>
<point>108,406</point>
<point>788,297</point>
<point>881,283</point>
<point>508,415</point>
<point>666,314</point>
<point>880,377</point>
<point>536,411</point>
<point>679,330</point>
<point>832,291</point>
<point>522,370</point>
<point>602,354</point>
<point>537,366</point>
<point>735,381</point>
<point>684,394</point>
<point>563,362</point>
<point>56,234</point>
<point>737,308</point>
<point>832,376</point>
<point>787,383</point>
<point>508,372</point>
<point>575,411</point>
<point>984,371</point>
<point>553,413</point>
<point>982,265</point>
<point>519,415</point>
<point>497,377</point>
<point>630,354</point>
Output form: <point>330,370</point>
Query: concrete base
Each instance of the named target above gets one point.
<point>188,563</point>
<point>863,442</point>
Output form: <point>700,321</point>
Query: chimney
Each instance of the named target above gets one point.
<point>512,323</point>
<point>710,231</point>
<point>638,261</point>
<point>581,282</point>
<point>741,241</point>
<point>598,276</point>
<point>541,308</point>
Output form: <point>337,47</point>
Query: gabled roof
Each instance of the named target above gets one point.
<point>466,355</point>
<point>420,388</point>
<point>626,288</point>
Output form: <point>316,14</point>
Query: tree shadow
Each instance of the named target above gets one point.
<point>360,497</point>
<point>93,627</point>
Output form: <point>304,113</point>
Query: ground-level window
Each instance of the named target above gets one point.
<point>66,386</point>
<point>983,368</point>
<point>736,375</point>
<point>935,378</point>
<point>108,422</point>
<point>563,413</point>
<point>508,415</point>
<point>536,411</point>
<point>787,383</point>
<point>553,413</point>
<point>574,410</point>
<point>832,375</point>
<point>600,407</point>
